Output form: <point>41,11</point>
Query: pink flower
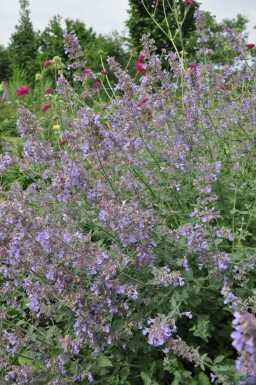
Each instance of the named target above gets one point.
<point>104,72</point>
<point>23,90</point>
<point>189,3</point>
<point>143,101</point>
<point>47,63</point>
<point>46,107</point>
<point>141,57</point>
<point>250,45</point>
<point>192,65</point>
<point>87,71</point>
<point>96,85</point>
<point>49,91</point>
<point>141,67</point>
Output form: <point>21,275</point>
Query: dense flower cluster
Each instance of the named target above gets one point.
<point>72,46</point>
<point>23,90</point>
<point>244,341</point>
<point>250,45</point>
<point>131,227</point>
<point>159,331</point>
<point>47,63</point>
<point>49,90</point>
<point>189,4</point>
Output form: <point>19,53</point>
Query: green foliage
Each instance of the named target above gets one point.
<point>147,16</point>
<point>23,45</point>
<point>51,40</point>
<point>5,70</point>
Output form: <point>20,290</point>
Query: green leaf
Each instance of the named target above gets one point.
<point>146,379</point>
<point>176,381</point>
<point>25,358</point>
<point>177,378</point>
<point>51,332</point>
<point>124,373</point>
<point>201,329</point>
<point>219,359</point>
<point>104,362</point>
<point>203,379</point>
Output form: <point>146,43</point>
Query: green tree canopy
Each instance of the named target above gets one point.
<point>23,45</point>
<point>140,22</point>
<point>5,70</point>
<point>51,42</point>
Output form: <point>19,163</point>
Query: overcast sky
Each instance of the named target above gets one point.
<point>106,15</point>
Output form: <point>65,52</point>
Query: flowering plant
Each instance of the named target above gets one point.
<point>125,258</point>
<point>23,90</point>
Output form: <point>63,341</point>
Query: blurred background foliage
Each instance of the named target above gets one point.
<point>29,49</point>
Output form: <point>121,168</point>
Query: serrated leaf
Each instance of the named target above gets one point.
<point>104,362</point>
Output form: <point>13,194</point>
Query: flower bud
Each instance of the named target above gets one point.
<point>38,77</point>
<point>226,48</point>
<point>133,52</point>
<point>56,60</point>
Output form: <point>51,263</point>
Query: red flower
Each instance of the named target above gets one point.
<point>104,72</point>
<point>189,3</point>
<point>250,45</point>
<point>87,71</point>
<point>192,66</point>
<point>141,57</point>
<point>46,107</point>
<point>49,91</point>
<point>143,101</point>
<point>96,85</point>
<point>62,142</point>
<point>47,63</point>
<point>24,90</point>
<point>141,67</point>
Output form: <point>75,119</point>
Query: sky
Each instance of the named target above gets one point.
<point>104,16</point>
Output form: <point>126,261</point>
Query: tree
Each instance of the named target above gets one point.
<point>51,40</point>
<point>5,70</point>
<point>141,22</point>
<point>23,46</point>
